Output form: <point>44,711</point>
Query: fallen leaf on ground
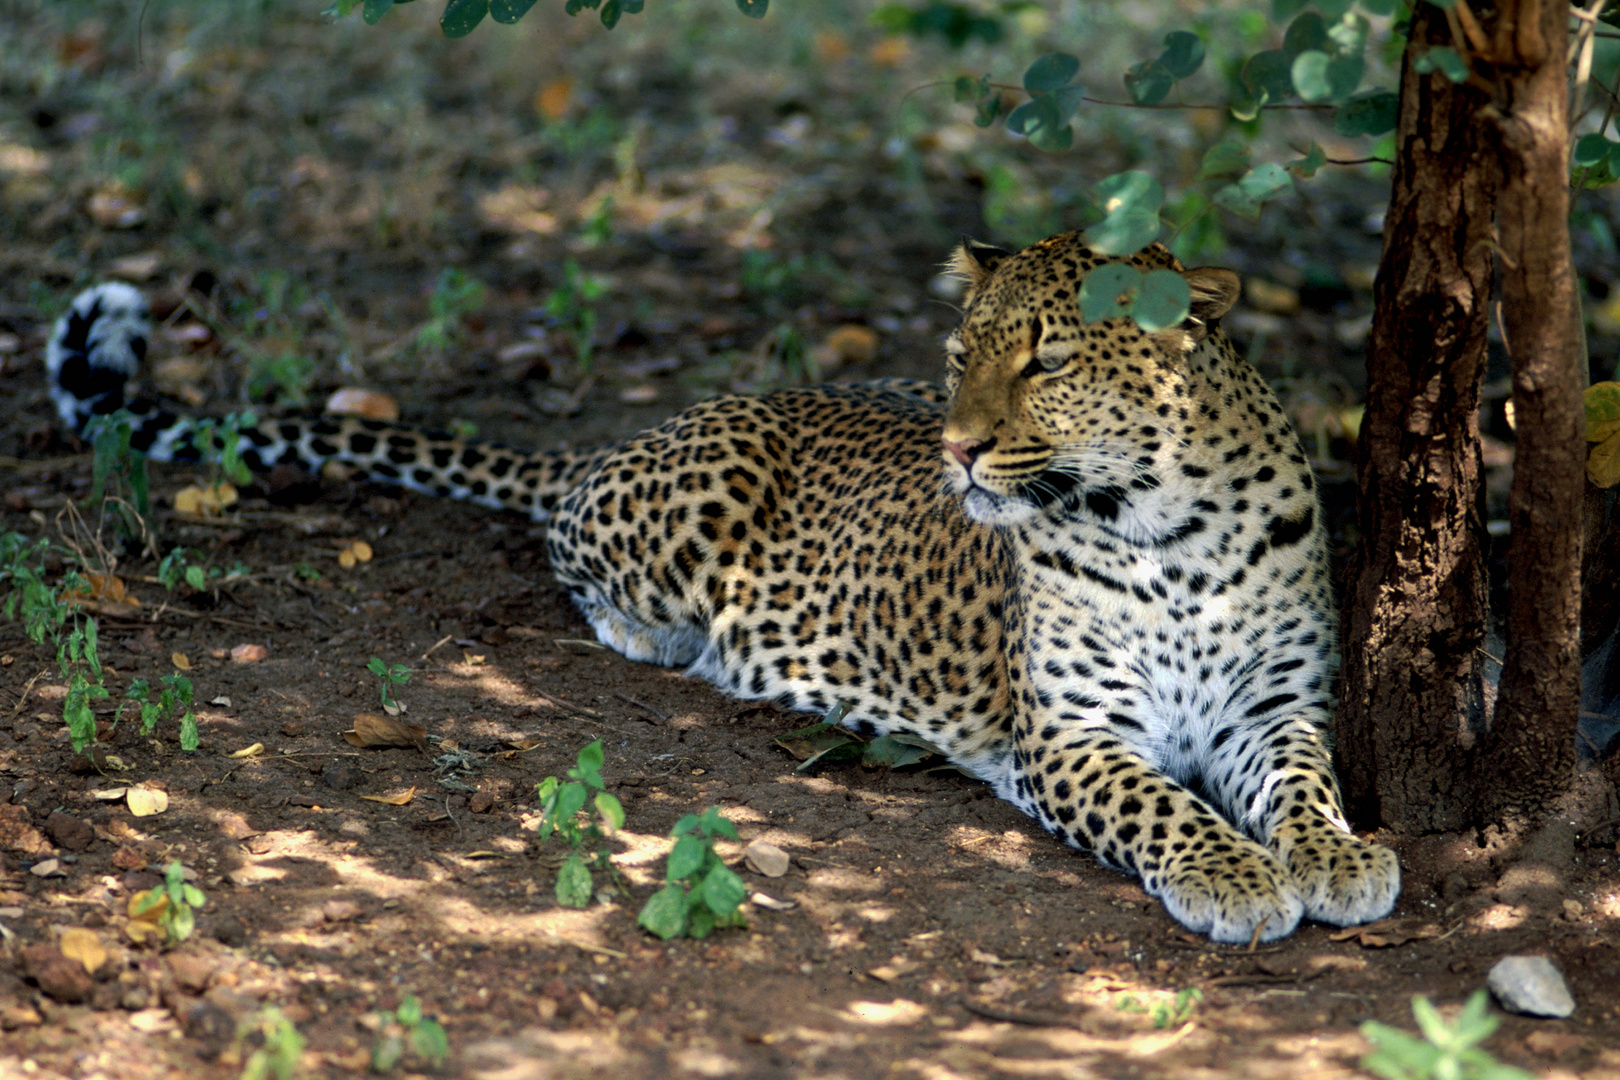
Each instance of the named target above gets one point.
<point>248,654</point>
<point>397,799</point>
<point>85,947</point>
<point>146,801</point>
<point>373,730</point>
<point>205,501</point>
<point>222,701</point>
<point>1387,933</point>
<point>771,903</point>
<point>248,751</point>
<point>109,794</point>
<point>46,868</point>
<point>366,404</point>
<point>180,660</point>
<point>766,858</point>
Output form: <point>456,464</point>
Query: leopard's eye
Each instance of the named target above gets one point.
<point>1045,363</point>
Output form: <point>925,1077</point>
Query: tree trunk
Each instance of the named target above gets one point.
<point>1411,693</point>
<point>1530,753</point>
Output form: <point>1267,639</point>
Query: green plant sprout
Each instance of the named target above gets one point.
<point>390,677</point>
<point>175,693</point>
<point>79,658</point>
<point>455,296</point>
<point>1166,1011</point>
<point>571,305</point>
<point>219,444</point>
<point>114,459</point>
<point>277,1057</point>
<point>563,812</point>
<point>176,899</point>
<point>404,1028</point>
<point>701,893</point>
<point>1447,1050</point>
<point>286,375</point>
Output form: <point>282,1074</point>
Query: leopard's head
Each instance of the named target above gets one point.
<point>1049,413</point>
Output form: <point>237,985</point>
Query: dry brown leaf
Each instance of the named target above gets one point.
<point>148,915</point>
<point>248,654</point>
<point>397,799</point>
<point>366,404</point>
<point>1603,462</point>
<point>109,794</point>
<point>248,751</point>
<point>85,947</point>
<point>373,730</point>
<point>1387,933</point>
<point>180,660</point>
<point>552,100</point>
<point>146,801</point>
<point>205,501</point>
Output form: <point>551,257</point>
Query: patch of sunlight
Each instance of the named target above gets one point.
<point>540,1053</point>
<point>1009,848</point>
<point>705,1062</point>
<point>876,913</point>
<point>1607,906</point>
<point>1064,1043</point>
<point>844,879</point>
<point>1500,917</point>
<point>518,208</point>
<point>23,160</point>
<point>885,1014</point>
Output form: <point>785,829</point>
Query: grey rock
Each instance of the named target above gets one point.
<point>1530,985</point>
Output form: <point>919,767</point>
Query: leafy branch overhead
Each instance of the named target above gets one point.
<point>461,17</point>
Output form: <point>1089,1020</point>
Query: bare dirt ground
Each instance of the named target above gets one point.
<point>928,929</point>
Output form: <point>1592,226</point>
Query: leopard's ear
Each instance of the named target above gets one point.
<point>974,262</point>
<point>1214,291</point>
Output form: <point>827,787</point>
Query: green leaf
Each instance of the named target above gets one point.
<point>754,9</point>
<point>574,883</point>
<point>1258,186</point>
<point>1051,72</point>
<point>193,895</point>
<point>181,922</point>
<point>590,757</point>
<point>699,921</point>
<point>1227,159</point>
<point>1304,168</point>
<point>686,824</point>
<point>715,824</point>
<point>1183,53</point>
<point>723,890</point>
<point>409,1012</point>
<point>377,667</point>
<point>1068,101</point>
<point>1370,113</point>
<point>374,10</point>
<point>1131,201</point>
<point>887,752</point>
<point>664,913</point>
<point>1444,59</point>
<point>1269,75</point>
<point>1309,73</point>
<point>430,1042</point>
<point>384,1055</point>
<point>189,739</point>
<point>1102,289</point>
<point>461,17</point>
<point>610,13</point>
<point>1592,149</point>
<point>966,88</point>
<point>611,810</point>
<point>1149,82</point>
<point>1379,7</point>
<point>509,11</point>
<point>196,577</point>
<point>685,858</point>
<point>1162,301</point>
<point>570,801</point>
<point>1344,75</point>
<point>1308,31</point>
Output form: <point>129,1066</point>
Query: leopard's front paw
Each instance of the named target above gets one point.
<point>1343,880</point>
<point>1229,891</point>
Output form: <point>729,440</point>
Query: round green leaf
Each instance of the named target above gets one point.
<point>430,1042</point>
<point>723,891</point>
<point>1592,149</point>
<point>387,1052</point>
<point>507,11</point>
<point>1445,60</point>
<point>375,10</point>
<point>1344,75</point>
<point>1053,140</point>
<point>574,883</point>
<point>570,801</point>
<point>611,809</point>
<point>409,1012</point>
<point>1227,159</point>
<point>1371,113</point>
<point>1309,73</point>
<point>1602,410</point>
<point>685,858</point>
<point>1051,72</point>
<point>1149,82</point>
<point>664,913</point>
<point>1163,301</point>
<point>189,739</point>
<point>1068,101</point>
<point>1269,75</point>
<point>699,921</point>
<point>1101,291</point>
<point>1183,53</point>
<point>754,9</point>
<point>462,16</point>
<point>1307,31</point>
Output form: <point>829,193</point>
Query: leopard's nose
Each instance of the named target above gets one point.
<point>967,450</point>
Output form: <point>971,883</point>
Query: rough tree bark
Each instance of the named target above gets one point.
<point>1529,755</point>
<point>1411,691</point>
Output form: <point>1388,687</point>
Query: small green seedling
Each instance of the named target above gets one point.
<point>286,376</point>
<point>390,677</point>
<point>114,459</point>
<point>406,1028</point>
<point>219,444</point>
<point>177,567</point>
<point>79,658</point>
<point>40,606</point>
<point>572,305</point>
<point>278,1055</point>
<point>455,296</point>
<point>175,901</point>
<point>175,694</point>
<point>1165,1011</point>
<point>702,893</point>
<point>1447,1050</point>
<point>563,812</point>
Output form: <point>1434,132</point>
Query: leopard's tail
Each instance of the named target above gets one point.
<point>98,346</point>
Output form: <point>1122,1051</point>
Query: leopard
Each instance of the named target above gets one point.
<point>1090,569</point>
